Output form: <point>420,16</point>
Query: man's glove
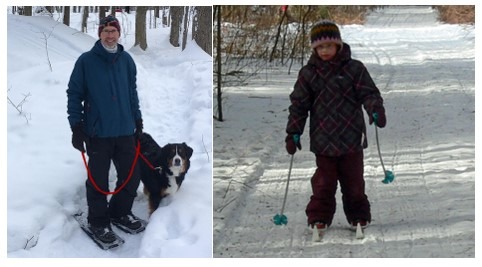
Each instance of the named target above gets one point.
<point>378,116</point>
<point>292,142</point>
<point>139,127</point>
<point>79,137</point>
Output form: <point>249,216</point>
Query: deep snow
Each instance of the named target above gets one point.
<point>46,176</point>
<point>425,71</point>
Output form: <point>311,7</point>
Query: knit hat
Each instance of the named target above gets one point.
<point>109,21</point>
<point>325,32</point>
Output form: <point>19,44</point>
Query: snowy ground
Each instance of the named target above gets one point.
<point>426,73</point>
<point>46,176</point>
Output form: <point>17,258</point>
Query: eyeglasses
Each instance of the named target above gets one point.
<point>108,32</point>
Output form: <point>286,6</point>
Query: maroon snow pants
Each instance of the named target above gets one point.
<point>348,170</point>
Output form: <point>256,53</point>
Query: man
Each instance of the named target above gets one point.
<point>103,110</point>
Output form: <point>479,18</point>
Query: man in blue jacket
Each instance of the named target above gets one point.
<point>103,110</point>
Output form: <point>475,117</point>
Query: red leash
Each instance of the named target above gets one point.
<point>147,162</point>
<point>138,152</point>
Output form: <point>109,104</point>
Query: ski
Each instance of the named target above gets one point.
<point>318,232</point>
<point>317,235</point>
<point>359,230</point>
<point>84,225</point>
<point>359,234</point>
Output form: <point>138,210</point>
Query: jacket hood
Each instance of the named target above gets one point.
<point>99,50</point>
<point>342,56</point>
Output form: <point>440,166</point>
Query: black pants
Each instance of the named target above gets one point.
<point>121,151</point>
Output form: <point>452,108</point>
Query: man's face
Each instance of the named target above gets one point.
<point>109,36</point>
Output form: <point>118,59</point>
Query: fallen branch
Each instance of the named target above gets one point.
<point>19,106</point>
<point>207,153</point>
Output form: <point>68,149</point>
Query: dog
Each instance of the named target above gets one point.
<point>163,169</point>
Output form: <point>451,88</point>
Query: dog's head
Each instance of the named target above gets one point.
<point>177,157</point>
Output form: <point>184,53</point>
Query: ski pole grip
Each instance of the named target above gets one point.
<point>296,138</point>
<point>375,118</point>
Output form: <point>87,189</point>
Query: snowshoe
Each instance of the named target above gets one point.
<point>130,224</point>
<point>104,237</point>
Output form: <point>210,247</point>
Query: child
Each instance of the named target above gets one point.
<point>332,88</point>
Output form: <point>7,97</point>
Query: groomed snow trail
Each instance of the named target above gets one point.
<point>426,73</point>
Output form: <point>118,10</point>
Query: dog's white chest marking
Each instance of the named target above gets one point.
<point>173,185</point>
<point>175,169</point>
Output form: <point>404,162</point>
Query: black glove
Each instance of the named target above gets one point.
<point>79,137</point>
<point>139,127</point>
<point>378,115</point>
<point>292,142</point>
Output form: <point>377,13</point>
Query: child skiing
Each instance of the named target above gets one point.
<point>332,88</point>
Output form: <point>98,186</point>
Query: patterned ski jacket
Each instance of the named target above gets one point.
<point>332,94</point>
<point>102,93</point>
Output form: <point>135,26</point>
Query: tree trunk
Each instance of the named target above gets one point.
<point>164,17</point>
<point>67,15</point>
<point>185,28</point>
<point>85,15</point>
<point>27,11</point>
<point>218,63</point>
<point>156,11</point>
<point>102,11</point>
<point>303,34</point>
<point>278,34</point>
<point>141,39</point>
<point>204,30</point>
<point>176,18</point>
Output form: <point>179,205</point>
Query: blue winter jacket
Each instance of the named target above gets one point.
<point>102,93</point>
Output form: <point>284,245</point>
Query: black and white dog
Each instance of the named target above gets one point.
<point>162,169</point>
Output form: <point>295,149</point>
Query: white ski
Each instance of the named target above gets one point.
<point>317,235</point>
<point>359,232</point>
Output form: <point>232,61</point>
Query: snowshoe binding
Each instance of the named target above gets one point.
<point>104,237</point>
<point>130,224</point>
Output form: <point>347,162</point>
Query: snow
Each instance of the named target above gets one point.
<point>425,71</point>
<point>46,176</point>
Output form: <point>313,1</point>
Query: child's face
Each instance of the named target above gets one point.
<point>326,51</point>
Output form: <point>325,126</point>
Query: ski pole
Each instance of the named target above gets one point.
<point>389,176</point>
<point>280,218</point>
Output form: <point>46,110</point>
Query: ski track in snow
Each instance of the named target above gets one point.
<point>429,144</point>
